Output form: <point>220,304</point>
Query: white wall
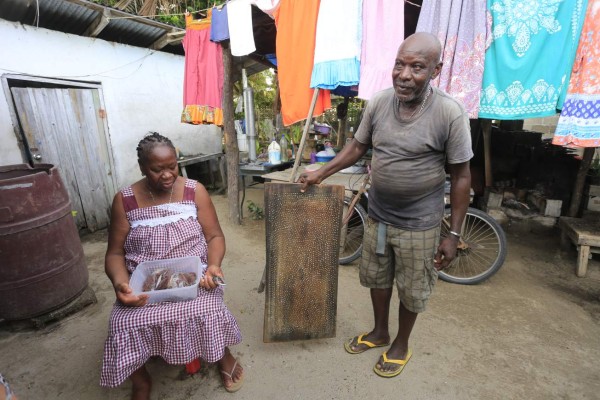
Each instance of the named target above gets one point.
<point>142,91</point>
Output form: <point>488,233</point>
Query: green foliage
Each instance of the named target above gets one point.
<point>256,212</point>
<point>167,11</point>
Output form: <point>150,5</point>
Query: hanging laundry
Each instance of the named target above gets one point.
<point>579,121</point>
<point>461,26</point>
<point>219,28</point>
<point>203,76</point>
<point>528,64</point>
<point>296,23</point>
<point>239,17</point>
<point>337,48</point>
<point>266,6</point>
<point>383,32</point>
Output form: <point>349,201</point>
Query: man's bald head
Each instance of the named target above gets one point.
<point>425,43</point>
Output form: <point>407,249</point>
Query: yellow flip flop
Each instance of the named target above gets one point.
<point>359,340</point>
<point>396,372</point>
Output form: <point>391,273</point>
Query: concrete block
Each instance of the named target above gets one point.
<point>499,215</point>
<point>553,208</point>
<point>544,221</point>
<point>493,200</point>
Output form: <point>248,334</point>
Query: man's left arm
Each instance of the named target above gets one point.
<point>460,177</point>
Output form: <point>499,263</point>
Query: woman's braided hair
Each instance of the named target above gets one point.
<point>149,142</point>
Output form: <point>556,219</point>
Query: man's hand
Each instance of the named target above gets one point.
<point>446,252</point>
<point>127,298</point>
<point>309,178</point>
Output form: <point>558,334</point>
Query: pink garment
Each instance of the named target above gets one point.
<point>383,32</point>
<point>463,28</point>
<point>203,80</point>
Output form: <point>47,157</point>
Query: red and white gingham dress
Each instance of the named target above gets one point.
<point>179,332</point>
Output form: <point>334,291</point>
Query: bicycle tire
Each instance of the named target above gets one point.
<point>351,236</point>
<point>484,253</point>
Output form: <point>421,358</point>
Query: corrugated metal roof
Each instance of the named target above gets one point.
<point>81,17</point>
<point>78,17</point>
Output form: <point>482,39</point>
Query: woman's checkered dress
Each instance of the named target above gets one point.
<point>179,332</point>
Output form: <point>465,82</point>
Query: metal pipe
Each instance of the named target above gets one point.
<point>249,116</point>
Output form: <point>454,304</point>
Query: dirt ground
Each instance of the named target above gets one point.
<point>530,332</point>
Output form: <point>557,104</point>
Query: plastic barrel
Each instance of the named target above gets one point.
<point>42,265</point>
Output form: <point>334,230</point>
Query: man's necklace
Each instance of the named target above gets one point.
<point>418,110</point>
<point>152,194</point>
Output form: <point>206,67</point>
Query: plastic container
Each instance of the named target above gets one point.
<point>283,144</point>
<point>274,153</point>
<point>183,264</point>
<point>324,158</point>
<point>321,129</point>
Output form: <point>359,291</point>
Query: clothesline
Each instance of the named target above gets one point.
<point>160,15</point>
<point>412,4</point>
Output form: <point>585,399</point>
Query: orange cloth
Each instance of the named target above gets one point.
<point>296,23</point>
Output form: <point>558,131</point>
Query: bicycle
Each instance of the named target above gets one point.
<point>481,249</point>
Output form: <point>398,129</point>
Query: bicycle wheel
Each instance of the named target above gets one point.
<point>351,237</point>
<point>481,252</point>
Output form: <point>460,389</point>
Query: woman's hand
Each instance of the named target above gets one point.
<point>127,298</point>
<point>207,281</point>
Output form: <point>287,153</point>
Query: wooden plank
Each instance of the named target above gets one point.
<point>85,135</point>
<point>302,232</point>
<point>349,181</point>
<point>582,260</point>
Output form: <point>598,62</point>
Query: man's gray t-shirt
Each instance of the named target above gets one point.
<point>407,179</point>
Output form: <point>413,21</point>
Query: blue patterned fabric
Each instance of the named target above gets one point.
<point>528,64</point>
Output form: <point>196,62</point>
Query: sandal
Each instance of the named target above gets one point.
<point>386,360</point>
<point>235,386</point>
<point>359,340</point>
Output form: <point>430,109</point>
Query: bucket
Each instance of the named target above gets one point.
<point>43,266</point>
<point>242,142</point>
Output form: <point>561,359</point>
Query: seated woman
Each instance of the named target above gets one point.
<point>165,216</point>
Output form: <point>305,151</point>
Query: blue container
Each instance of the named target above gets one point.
<point>324,158</point>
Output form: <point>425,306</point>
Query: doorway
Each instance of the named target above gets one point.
<point>64,124</point>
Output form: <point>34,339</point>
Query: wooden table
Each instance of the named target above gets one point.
<point>351,182</point>
<point>583,233</point>
<point>183,161</point>
<point>257,171</point>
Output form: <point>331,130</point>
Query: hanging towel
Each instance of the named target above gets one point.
<point>296,23</point>
<point>462,28</point>
<point>528,64</point>
<point>383,32</point>
<point>579,121</point>
<point>219,28</point>
<point>203,76</point>
<point>239,18</point>
<point>337,48</point>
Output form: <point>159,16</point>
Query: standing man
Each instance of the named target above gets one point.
<point>415,130</point>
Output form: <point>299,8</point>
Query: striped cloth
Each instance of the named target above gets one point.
<point>178,332</point>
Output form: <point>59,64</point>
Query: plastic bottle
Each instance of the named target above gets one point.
<point>274,153</point>
<point>283,143</point>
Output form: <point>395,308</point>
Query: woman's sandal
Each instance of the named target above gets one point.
<point>235,386</point>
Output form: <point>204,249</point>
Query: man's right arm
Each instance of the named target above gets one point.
<point>347,157</point>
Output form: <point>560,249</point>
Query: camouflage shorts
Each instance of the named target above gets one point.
<point>408,257</point>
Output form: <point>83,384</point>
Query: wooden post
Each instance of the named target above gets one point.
<point>588,155</point>
<point>486,127</point>
<point>232,154</point>
<point>304,135</point>
<point>342,115</point>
